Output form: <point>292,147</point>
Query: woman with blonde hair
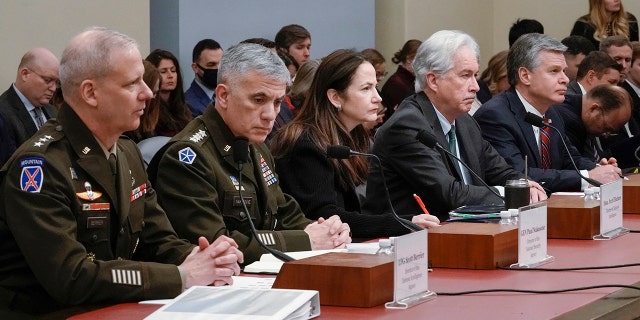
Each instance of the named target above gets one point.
<point>606,18</point>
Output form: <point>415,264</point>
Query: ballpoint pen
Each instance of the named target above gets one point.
<point>420,203</point>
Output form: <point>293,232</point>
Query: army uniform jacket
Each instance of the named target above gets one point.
<point>197,184</point>
<point>72,232</point>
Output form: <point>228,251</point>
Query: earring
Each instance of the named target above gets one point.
<point>339,107</point>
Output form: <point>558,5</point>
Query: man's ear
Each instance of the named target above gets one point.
<point>431,79</point>
<point>524,75</point>
<point>222,95</point>
<point>89,92</point>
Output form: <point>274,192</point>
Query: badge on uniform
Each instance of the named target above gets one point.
<point>267,174</point>
<point>138,192</point>
<point>187,155</point>
<point>89,194</point>
<point>130,277</point>
<point>235,183</point>
<point>32,174</point>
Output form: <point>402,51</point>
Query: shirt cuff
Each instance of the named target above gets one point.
<point>500,190</point>
<point>183,277</point>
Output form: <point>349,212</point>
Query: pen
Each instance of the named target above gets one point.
<point>420,203</point>
<point>622,177</point>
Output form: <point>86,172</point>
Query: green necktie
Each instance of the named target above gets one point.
<point>452,140</point>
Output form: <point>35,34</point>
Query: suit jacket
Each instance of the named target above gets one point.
<point>308,176</point>
<point>573,88</point>
<point>8,144</point>
<point>635,99</point>
<point>571,112</point>
<point>61,245</point>
<point>411,167</point>
<point>19,123</point>
<point>197,99</point>
<point>502,122</point>
<point>197,183</point>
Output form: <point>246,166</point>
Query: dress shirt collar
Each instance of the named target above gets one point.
<point>582,89</point>
<point>444,123</point>
<point>24,100</point>
<point>529,108</point>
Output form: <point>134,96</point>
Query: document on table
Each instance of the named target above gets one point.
<point>271,265</point>
<point>240,303</point>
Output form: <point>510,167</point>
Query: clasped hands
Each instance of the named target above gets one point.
<point>329,233</point>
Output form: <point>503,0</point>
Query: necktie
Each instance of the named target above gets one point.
<point>545,146</point>
<point>38,116</point>
<point>594,150</point>
<point>113,164</point>
<point>452,140</point>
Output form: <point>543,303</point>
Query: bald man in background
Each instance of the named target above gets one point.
<point>25,107</point>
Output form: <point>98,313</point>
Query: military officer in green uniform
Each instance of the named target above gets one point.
<point>198,181</point>
<point>79,222</point>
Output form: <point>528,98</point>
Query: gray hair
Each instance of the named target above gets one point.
<point>525,53</point>
<point>436,54</point>
<point>244,58</point>
<point>88,56</point>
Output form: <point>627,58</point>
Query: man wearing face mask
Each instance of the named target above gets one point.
<point>206,58</point>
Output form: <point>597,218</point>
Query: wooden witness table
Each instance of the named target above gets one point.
<point>601,303</point>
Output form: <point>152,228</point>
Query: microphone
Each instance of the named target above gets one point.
<point>537,121</point>
<point>344,152</point>
<point>240,148</point>
<point>430,141</point>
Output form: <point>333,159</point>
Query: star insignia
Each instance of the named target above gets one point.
<point>38,144</point>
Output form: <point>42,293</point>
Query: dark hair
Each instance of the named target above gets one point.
<point>524,26</point>
<point>615,41</point>
<point>598,61</point>
<point>174,113</point>
<point>578,44</point>
<point>611,97</point>
<point>408,49</point>
<point>203,44</point>
<point>319,118</point>
<point>289,35</point>
<point>636,51</point>
<point>374,56</point>
<point>288,60</point>
<point>261,41</point>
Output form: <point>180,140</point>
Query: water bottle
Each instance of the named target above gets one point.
<point>385,247</point>
<point>596,193</point>
<point>514,216</point>
<point>505,217</point>
<point>588,194</point>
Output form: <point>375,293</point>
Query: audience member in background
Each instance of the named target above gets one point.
<point>25,105</point>
<point>603,110</point>
<point>400,84</point>
<point>85,228</point>
<point>263,42</point>
<point>494,77</point>
<point>578,47</point>
<point>632,84</point>
<point>535,68</point>
<point>296,41</point>
<point>300,87</point>
<point>291,63</point>
<point>619,48</point>
<point>205,61</point>
<point>174,112</point>
<point>342,98</point>
<point>524,26</point>
<point>197,178</point>
<point>149,118</point>
<point>57,99</point>
<point>606,18</point>
<point>378,61</point>
<point>445,66</point>
<point>596,68</point>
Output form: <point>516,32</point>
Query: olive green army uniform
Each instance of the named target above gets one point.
<point>197,184</point>
<point>74,230</point>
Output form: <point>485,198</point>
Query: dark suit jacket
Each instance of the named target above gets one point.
<point>197,99</point>
<point>410,167</point>
<point>18,121</point>
<point>502,122</point>
<point>635,99</point>
<point>573,88</point>
<point>7,141</point>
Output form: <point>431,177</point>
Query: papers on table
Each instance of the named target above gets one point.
<point>271,265</point>
<point>240,303</point>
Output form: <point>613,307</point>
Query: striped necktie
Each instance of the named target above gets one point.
<point>37,112</point>
<point>545,146</point>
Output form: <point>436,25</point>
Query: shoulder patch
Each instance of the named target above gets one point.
<point>32,174</point>
<point>187,155</point>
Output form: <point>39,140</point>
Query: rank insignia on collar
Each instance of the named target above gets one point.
<point>227,148</point>
<point>187,155</point>
<point>196,137</point>
<point>32,174</point>
<point>86,150</point>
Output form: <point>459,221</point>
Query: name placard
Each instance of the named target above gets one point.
<point>532,236</point>
<point>611,211</point>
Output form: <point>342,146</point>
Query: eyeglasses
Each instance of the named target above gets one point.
<point>608,130</point>
<point>49,81</point>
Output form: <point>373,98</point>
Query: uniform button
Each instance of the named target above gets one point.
<point>242,215</point>
<point>94,237</point>
<point>122,231</point>
<point>143,224</point>
<point>58,128</point>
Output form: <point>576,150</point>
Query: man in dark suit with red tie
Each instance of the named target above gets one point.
<point>535,69</point>
<point>25,105</point>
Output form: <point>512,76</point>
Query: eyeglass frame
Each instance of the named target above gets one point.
<point>47,80</point>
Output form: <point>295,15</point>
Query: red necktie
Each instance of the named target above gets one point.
<point>545,146</point>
